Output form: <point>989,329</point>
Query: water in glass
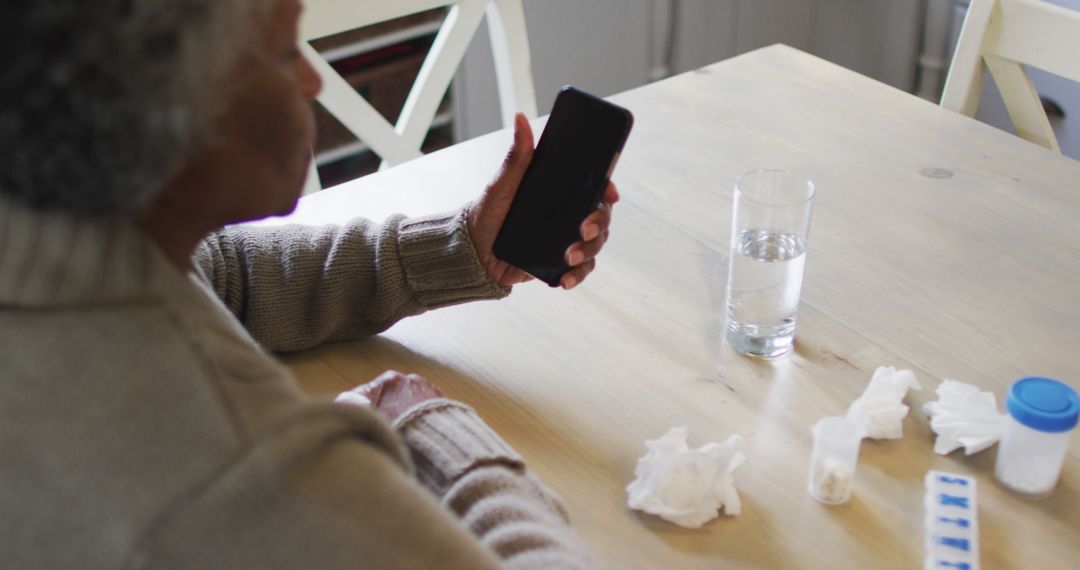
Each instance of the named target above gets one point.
<point>763,292</point>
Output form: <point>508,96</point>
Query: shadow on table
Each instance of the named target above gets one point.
<point>725,538</point>
<point>369,357</point>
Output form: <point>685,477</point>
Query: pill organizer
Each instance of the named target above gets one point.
<point>952,523</point>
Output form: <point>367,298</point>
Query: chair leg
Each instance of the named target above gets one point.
<point>1022,102</point>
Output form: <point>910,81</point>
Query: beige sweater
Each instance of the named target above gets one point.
<point>141,425</point>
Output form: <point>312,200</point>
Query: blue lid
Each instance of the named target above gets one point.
<point>1043,404</point>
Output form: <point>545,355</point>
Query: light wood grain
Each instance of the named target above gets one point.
<point>938,243</point>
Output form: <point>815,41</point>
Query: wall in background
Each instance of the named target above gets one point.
<point>878,39</point>
<point>608,46</point>
<point>602,46</point>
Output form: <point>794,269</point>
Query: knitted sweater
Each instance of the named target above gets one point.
<point>143,424</point>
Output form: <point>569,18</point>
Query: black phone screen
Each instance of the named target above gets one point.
<point>563,184</point>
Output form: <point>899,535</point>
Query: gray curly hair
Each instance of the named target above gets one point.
<point>102,100</point>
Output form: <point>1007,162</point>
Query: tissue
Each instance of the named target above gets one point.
<point>686,486</point>
<point>880,411</point>
<point>964,416</point>
<point>352,398</point>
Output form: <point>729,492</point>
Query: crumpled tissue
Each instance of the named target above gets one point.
<point>964,417</point>
<point>880,411</point>
<point>686,486</point>
<point>352,398</point>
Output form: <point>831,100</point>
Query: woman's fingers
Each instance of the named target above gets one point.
<point>571,278</point>
<point>583,251</point>
<point>611,194</point>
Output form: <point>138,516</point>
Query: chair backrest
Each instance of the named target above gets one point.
<point>1007,35</point>
<point>397,143</point>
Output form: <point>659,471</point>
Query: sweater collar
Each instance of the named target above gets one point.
<point>52,258</point>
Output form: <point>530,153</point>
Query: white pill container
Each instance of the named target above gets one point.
<point>833,460</point>
<point>1042,415</point>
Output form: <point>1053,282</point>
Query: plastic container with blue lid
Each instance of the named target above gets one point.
<point>1042,415</point>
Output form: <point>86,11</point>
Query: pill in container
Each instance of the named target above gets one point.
<point>1042,415</point>
<point>833,460</point>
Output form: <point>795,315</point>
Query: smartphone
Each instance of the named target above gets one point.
<point>563,184</point>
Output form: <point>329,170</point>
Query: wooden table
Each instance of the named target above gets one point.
<point>938,244</point>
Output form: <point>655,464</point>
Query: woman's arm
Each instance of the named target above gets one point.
<point>297,286</point>
<point>475,474</point>
<point>484,482</point>
<point>324,491</point>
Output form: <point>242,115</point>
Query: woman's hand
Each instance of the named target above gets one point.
<point>486,216</point>
<point>393,393</point>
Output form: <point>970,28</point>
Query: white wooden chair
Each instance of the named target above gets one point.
<point>1007,35</point>
<point>401,142</point>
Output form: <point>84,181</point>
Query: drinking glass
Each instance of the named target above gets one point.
<point>770,224</point>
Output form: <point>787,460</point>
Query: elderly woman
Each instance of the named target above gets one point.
<point>143,422</point>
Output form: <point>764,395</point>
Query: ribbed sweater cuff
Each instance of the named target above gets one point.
<point>447,440</point>
<point>440,262</point>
